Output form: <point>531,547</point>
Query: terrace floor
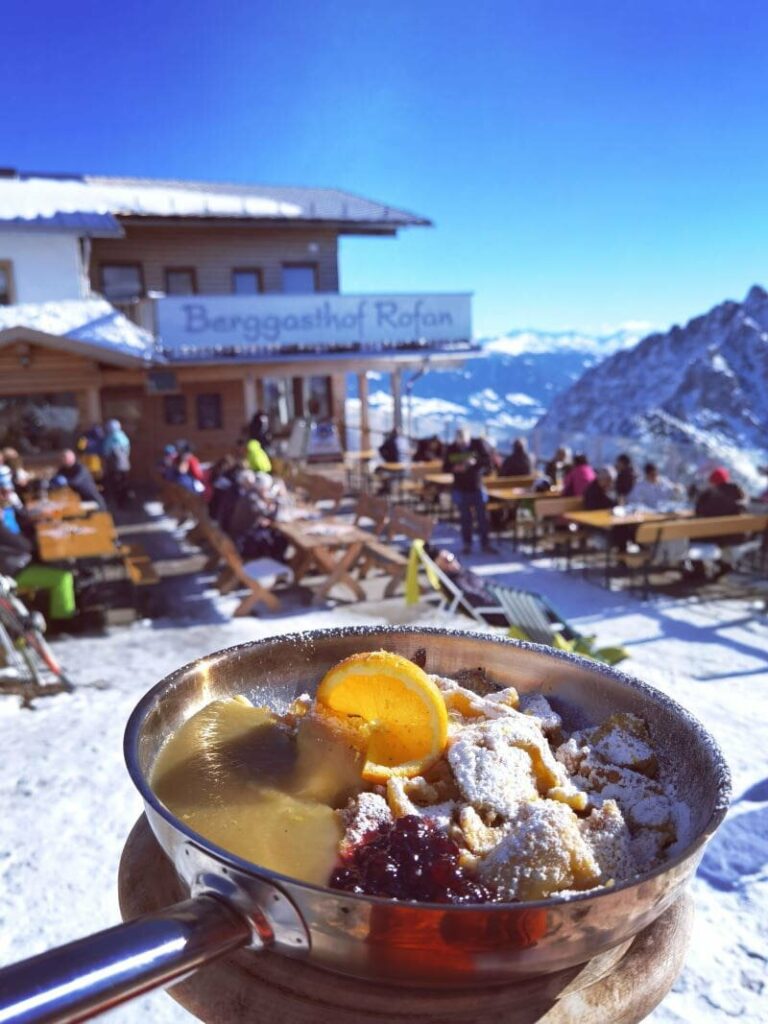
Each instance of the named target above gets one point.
<point>68,804</point>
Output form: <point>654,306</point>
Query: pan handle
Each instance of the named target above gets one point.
<point>91,975</point>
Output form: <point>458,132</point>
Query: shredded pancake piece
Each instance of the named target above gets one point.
<point>543,853</point>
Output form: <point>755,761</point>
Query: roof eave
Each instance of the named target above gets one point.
<point>99,353</point>
<point>347,227</point>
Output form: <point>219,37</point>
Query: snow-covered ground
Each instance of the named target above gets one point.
<point>67,803</point>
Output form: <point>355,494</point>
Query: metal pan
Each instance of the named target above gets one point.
<point>236,904</point>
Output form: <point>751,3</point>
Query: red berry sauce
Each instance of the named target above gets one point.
<point>408,859</point>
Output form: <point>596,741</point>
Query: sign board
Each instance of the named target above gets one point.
<point>315,441</point>
<point>190,323</point>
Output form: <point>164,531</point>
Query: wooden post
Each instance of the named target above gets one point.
<point>365,423</point>
<point>250,403</point>
<point>397,398</point>
<point>338,386</point>
<point>93,405</point>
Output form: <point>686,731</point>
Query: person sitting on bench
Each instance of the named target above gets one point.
<point>250,525</point>
<point>73,474</point>
<point>16,554</point>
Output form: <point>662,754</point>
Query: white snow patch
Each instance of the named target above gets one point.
<point>527,342</point>
<point>520,398</point>
<point>36,198</point>
<point>487,400</point>
<point>89,320</point>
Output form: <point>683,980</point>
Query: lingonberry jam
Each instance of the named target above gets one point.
<point>408,859</point>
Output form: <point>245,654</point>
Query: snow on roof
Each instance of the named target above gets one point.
<point>30,197</point>
<point>90,321</point>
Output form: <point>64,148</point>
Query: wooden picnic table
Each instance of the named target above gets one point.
<point>490,483</point>
<point>360,456</point>
<point>515,495</point>
<point>333,547</point>
<point>439,480</point>
<point>61,508</point>
<point>605,520</point>
<point>72,539</point>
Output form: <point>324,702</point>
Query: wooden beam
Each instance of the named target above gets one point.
<point>365,421</point>
<point>250,399</point>
<point>93,404</point>
<point>397,398</point>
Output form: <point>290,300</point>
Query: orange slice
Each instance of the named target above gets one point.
<point>396,704</point>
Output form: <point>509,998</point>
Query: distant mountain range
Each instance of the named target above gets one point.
<point>686,396</point>
<point>703,387</point>
<point>512,385</point>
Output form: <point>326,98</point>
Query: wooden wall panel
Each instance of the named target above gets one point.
<point>214,252</point>
<point>32,369</point>
<point>152,433</point>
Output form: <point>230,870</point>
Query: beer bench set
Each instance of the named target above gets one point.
<point>340,553</point>
<point>750,533</point>
<point>72,531</point>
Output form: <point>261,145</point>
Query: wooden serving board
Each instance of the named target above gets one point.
<point>619,987</point>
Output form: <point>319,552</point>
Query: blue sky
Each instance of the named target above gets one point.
<point>585,163</point>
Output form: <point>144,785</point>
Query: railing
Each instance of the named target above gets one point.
<point>685,464</point>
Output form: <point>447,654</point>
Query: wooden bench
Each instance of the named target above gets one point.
<point>412,488</point>
<point>139,566</point>
<point>547,532</point>
<point>143,575</point>
<point>403,524</point>
<point>319,489</point>
<point>392,561</point>
<point>234,574</point>
<point>372,511</point>
<point>651,538</point>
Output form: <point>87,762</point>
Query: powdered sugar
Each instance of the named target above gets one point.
<point>363,814</point>
<point>542,853</point>
<point>492,775</point>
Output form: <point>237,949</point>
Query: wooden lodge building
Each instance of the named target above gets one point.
<point>180,308</point>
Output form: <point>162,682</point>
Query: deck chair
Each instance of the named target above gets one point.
<point>532,617</point>
<point>532,614</point>
<point>525,611</point>
<point>529,616</point>
<point>452,598</point>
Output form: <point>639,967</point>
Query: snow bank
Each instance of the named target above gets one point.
<point>68,804</point>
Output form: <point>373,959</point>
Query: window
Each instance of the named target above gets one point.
<point>38,423</point>
<point>278,402</point>
<point>209,412</point>
<point>317,397</point>
<point>175,410</point>
<point>299,278</point>
<point>246,282</point>
<point>6,283</point>
<point>180,281</point>
<point>121,282</point>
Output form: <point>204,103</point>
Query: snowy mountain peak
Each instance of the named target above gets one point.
<point>704,384</point>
